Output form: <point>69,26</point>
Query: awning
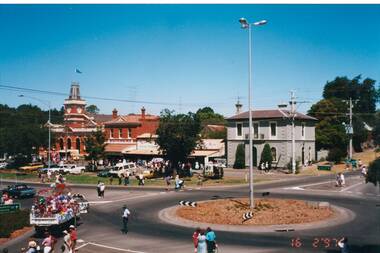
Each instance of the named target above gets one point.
<point>143,152</point>
<point>201,153</point>
<point>118,148</point>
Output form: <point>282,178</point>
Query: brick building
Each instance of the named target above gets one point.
<point>121,131</point>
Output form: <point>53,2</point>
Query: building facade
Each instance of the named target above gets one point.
<point>121,131</point>
<point>275,128</point>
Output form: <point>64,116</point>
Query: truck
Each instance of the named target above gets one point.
<point>71,169</point>
<point>55,209</point>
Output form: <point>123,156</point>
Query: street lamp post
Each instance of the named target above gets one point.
<point>47,103</point>
<point>246,25</point>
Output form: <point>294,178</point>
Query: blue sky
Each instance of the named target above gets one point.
<point>187,55</point>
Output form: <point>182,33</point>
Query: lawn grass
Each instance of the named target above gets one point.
<point>92,178</point>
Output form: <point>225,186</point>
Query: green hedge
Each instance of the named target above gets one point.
<point>10,222</point>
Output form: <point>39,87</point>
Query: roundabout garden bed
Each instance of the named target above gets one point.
<point>267,211</point>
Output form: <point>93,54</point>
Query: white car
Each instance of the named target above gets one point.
<point>122,168</point>
<point>71,169</point>
<point>3,165</point>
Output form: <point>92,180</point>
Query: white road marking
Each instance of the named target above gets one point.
<point>114,248</point>
<point>80,241</point>
<point>294,188</point>
<point>83,245</point>
<point>350,187</point>
<point>123,199</point>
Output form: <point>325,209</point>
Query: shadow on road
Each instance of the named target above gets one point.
<point>359,249</point>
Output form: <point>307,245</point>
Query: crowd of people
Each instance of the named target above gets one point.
<point>204,241</point>
<point>49,243</point>
<point>55,203</point>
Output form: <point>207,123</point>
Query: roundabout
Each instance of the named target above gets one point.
<point>269,215</point>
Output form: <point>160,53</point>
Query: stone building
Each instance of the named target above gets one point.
<point>275,128</point>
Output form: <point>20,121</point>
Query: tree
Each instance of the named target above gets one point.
<point>266,155</point>
<point>376,129</point>
<point>92,109</point>
<point>329,131</point>
<point>22,129</point>
<point>373,175</point>
<point>239,157</point>
<point>95,146</point>
<point>178,135</point>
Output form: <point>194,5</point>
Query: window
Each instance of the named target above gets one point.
<point>255,130</point>
<point>273,129</point>
<point>303,129</point>
<point>274,153</point>
<point>120,133</point>
<point>112,133</point>
<point>68,143</point>
<point>129,133</point>
<point>239,129</point>
<point>61,144</point>
<point>78,144</point>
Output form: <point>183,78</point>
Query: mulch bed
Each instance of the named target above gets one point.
<point>266,212</point>
<point>15,234</point>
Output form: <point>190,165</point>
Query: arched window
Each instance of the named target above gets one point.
<point>61,144</point>
<point>78,144</point>
<point>274,153</point>
<point>68,143</point>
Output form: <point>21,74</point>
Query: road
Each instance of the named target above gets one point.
<point>100,228</point>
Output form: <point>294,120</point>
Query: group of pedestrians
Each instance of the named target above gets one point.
<point>48,245</point>
<point>204,241</point>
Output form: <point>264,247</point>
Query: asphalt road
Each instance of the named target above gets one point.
<point>100,228</point>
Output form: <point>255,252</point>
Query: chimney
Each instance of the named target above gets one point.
<point>114,113</point>
<point>238,107</point>
<point>143,112</point>
<point>74,91</point>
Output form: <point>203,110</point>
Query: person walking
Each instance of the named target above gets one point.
<point>98,189</point>
<point>126,178</point>
<point>195,239</point>
<point>167,181</point>
<point>102,188</point>
<point>48,243</point>
<point>178,183</point>
<point>125,216</point>
<point>343,245</point>
<point>210,240</point>
<point>73,238</point>
<point>120,178</point>
<point>202,246</point>
<point>66,247</point>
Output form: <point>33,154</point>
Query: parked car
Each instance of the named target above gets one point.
<point>122,168</point>
<point>3,165</point>
<point>32,166</point>
<point>72,169</point>
<point>19,191</point>
<point>104,173</point>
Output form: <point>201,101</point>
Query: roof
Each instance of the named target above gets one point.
<point>152,151</point>
<point>118,148</point>
<point>216,128</point>
<point>100,118</point>
<point>203,152</point>
<point>131,119</point>
<point>270,114</point>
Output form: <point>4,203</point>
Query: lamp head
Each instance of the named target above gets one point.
<point>244,23</point>
<point>261,22</point>
<point>21,95</point>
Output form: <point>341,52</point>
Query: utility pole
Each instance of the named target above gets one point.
<point>293,115</point>
<point>351,130</point>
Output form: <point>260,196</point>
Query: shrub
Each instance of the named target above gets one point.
<point>266,155</point>
<point>290,169</point>
<point>10,222</point>
<point>239,157</point>
<point>336,155</point>
<point>373,175</point>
